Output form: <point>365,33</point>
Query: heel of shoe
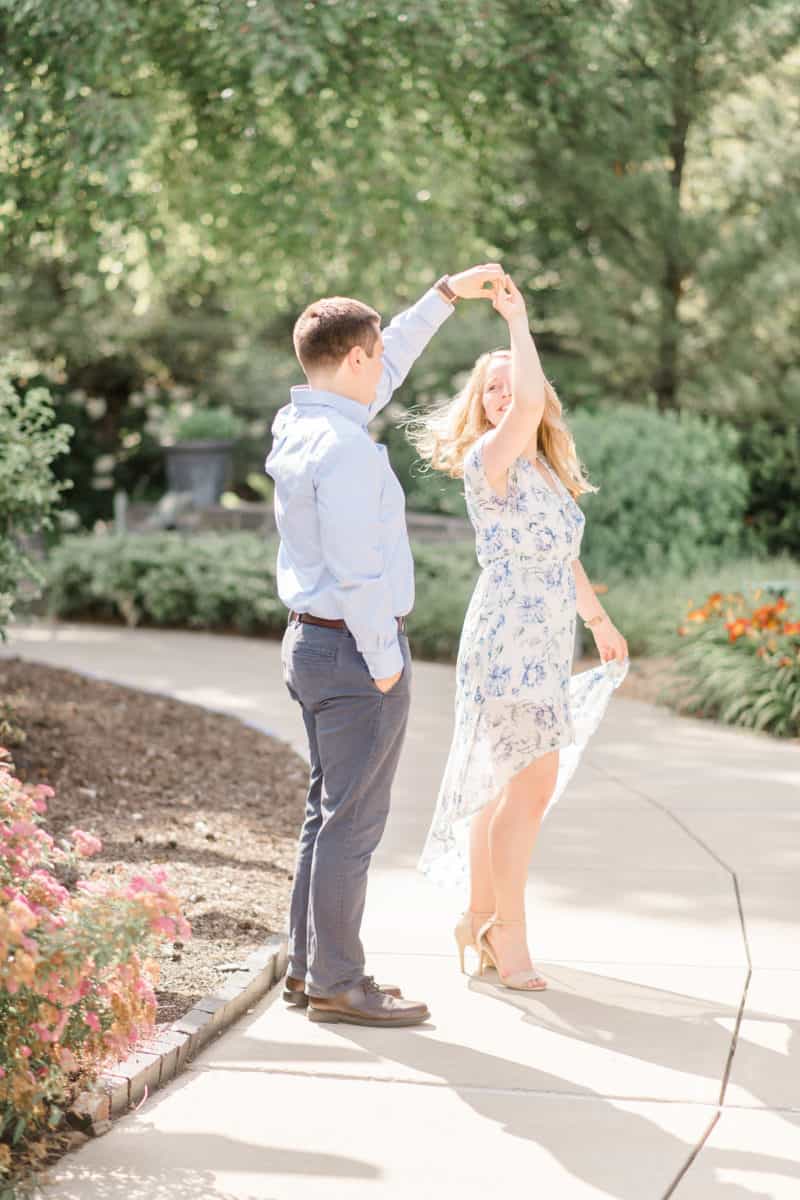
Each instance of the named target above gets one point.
<point>295,999</point>
<point>463,936</point>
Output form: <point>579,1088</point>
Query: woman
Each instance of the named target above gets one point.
<point>517,708</point>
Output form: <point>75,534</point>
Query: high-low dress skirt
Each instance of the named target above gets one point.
<point>516,700</point>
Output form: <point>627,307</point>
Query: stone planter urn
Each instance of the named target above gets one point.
<point>200,454</point>
<point>202,467</point>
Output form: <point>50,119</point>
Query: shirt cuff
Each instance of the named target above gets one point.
<point>433,308</point>
<point>384,663</point>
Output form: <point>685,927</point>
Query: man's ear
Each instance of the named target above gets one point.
<point>355,358</point>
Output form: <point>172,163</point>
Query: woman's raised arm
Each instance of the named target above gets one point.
<point>515,431</point>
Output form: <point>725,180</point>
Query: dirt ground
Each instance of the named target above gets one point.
<point>164,783</point>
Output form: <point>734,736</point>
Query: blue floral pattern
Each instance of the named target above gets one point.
<point>515,698</point>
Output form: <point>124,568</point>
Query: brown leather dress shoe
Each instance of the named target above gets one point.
<point>367,1004</point>
<point>294,991</point>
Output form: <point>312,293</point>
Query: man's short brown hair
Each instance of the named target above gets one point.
<point>329,328</point>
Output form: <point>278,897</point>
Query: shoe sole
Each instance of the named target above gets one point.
<point>334,1018</point>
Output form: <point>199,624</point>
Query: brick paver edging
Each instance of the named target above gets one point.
<point>157,1060</point>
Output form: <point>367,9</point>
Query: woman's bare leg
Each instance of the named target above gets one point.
<point>512,831</point>
<point>481,887</point>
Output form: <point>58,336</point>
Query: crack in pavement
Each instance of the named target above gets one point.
<point>667,812</point>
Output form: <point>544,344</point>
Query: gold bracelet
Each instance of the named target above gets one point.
<point>595,620</point>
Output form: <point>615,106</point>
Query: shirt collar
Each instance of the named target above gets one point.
<point>304,396</point>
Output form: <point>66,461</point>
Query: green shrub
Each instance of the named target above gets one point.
<point>227,581</point>
<point>648,610</point>
<point>29,442</point>
<point>770,452</point>
<point>76,976</point>
<point>672,493</point>
<point>739,661</point>
<point>212,581</point>
<point>445,578</point>
<point>209,424</point>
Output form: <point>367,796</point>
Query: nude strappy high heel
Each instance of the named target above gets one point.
<point>464,936</point>
<point>519,981</point>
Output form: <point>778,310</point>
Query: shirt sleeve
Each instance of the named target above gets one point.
<point>404,339</point>
<point>348,493</point>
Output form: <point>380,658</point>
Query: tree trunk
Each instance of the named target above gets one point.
<point>667,381</point>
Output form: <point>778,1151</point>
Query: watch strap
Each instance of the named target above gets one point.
<point>443,285</point>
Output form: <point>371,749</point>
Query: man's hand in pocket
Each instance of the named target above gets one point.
<point>386,685</point>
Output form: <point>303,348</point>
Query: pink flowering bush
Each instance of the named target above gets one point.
<point>76,976</point>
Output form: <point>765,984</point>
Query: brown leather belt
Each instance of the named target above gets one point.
<point>326,623</point>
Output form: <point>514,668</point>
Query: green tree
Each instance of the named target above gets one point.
<point>651,200</point>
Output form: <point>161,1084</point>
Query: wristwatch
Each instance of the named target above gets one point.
<point>443,287</point>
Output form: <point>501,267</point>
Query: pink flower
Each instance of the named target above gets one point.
<point>2,1073</point>
<point>53,890</point>
<point>25,1051</point>
<point>86,843</point>
<point>164,925</point>
<point>92,1020</point>
<point>23,828</point>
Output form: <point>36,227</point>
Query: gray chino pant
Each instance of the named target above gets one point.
<point>355,735</point>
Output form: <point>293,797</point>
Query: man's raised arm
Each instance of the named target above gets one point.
<point>409,332</point>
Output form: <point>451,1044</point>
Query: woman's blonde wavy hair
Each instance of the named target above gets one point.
<point>444,435</point>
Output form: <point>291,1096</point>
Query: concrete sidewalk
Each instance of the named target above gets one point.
<point>664,1060</point>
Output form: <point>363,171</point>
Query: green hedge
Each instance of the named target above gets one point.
<point>212,581</point>
<point>227,582</point>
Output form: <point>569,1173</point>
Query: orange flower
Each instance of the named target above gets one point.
<point>736,628</point>
<point>697,614</point>
<point>785,661</point>
<point>714,600</point>
<point>791,627</point>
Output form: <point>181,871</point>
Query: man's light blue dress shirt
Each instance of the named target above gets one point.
<point>339,507</point>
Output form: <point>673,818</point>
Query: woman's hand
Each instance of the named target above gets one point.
<point>609,641</point>
<point>508,301</point>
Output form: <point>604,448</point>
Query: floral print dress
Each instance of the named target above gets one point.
<point>515,696</point>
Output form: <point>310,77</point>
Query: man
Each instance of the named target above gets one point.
<point>346,574</point>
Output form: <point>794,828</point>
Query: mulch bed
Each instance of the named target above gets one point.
<point>164,783</point>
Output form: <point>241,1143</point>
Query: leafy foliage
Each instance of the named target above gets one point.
<point>76,982</point>
<point>672,493</point>
<point>29,443</point>
<point>180,178</point>
<point>210,424</point>
<point>227,581</point>
<point>740,661</point>
<point>770,451</point>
